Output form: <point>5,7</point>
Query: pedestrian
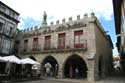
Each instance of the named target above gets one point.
<point>71,72</point>
<point>56,70</point>
<point>48,69</point>
<point>76,72</point>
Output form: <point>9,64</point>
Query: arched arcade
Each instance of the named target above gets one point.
<point>75,67</point>
<point>53,66</point>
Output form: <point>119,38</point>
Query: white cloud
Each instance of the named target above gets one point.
<point>60,8</point>
<point>21,24</point>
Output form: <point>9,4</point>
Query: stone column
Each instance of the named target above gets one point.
<point>96,74</point>
<point>60,72</point>
<point>90,74</point>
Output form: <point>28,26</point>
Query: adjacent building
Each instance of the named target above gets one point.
<point>8,27</point>
<point>77,44</point>
<point>119,15</point>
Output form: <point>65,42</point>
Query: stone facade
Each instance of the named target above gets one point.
<point>119,15</point>
<point>80,43</point>
<point>8,27</point>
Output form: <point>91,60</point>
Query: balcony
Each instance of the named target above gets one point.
<point>36,48</point>
<point>52,49</point>
<point>30,50</point>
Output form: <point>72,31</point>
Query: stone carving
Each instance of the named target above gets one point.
<point>63,27</point>
<point>25,35</point>
<point>47,30</point>
<point>44,23</point>
<point>78,24</point>
<point>68,26</point>
<point>44,16</point>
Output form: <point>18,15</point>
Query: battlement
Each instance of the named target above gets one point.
<point>85,18</point>
<point>30,29</point>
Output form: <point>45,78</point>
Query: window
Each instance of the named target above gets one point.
<point>47,42</point>
<point>35,44</point>
<point>61,40</point>
<point>10,32</point>
<point>78,39</point>
<point>0,42</point>
<point>11,13</point>
<point>25,45</point>
<point>3,8</point>
<point>1,25</point>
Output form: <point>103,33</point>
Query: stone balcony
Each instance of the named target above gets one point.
<point>38,50</point>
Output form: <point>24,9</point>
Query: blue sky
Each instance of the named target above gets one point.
<point>31,12</point>
<point>110,27</point>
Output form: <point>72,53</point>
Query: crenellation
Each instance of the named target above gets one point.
<point>78,22</point>
<point>57,22</point>
<point>78,17</point>
<point>85,16</point>
<point>51,24</point>
<point>27,29</point>
<point>92,14</point>
<point>24,30</point>
<point>63,20</point>
<point>21,30</point>
<point>36,27</point>
<point>70,19</point>
<point>31,28</point>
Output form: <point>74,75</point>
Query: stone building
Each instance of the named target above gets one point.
<point>8,27</point>
<point>119,15</point>
<point>81,44</point>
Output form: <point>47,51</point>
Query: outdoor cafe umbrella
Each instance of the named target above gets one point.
<point>28,61</point>
<point>2,59</point>
<point>12,58</point>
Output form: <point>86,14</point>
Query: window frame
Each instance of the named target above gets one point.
<point>61,40</point>
<point>47,41</point>
<point>35,44</point>
<point>78,39</point>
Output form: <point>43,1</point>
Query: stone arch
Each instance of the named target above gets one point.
<point>32,57</point>
<point>72,63</point>
<point>54,65</point>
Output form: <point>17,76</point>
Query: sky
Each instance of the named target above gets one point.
<point>31,12</point>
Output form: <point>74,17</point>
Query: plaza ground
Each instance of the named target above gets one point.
<point>53,80</point>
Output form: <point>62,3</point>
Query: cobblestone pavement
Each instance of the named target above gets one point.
<point>53,80</point>
<point>44,81</point>
<point>113,80</point>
